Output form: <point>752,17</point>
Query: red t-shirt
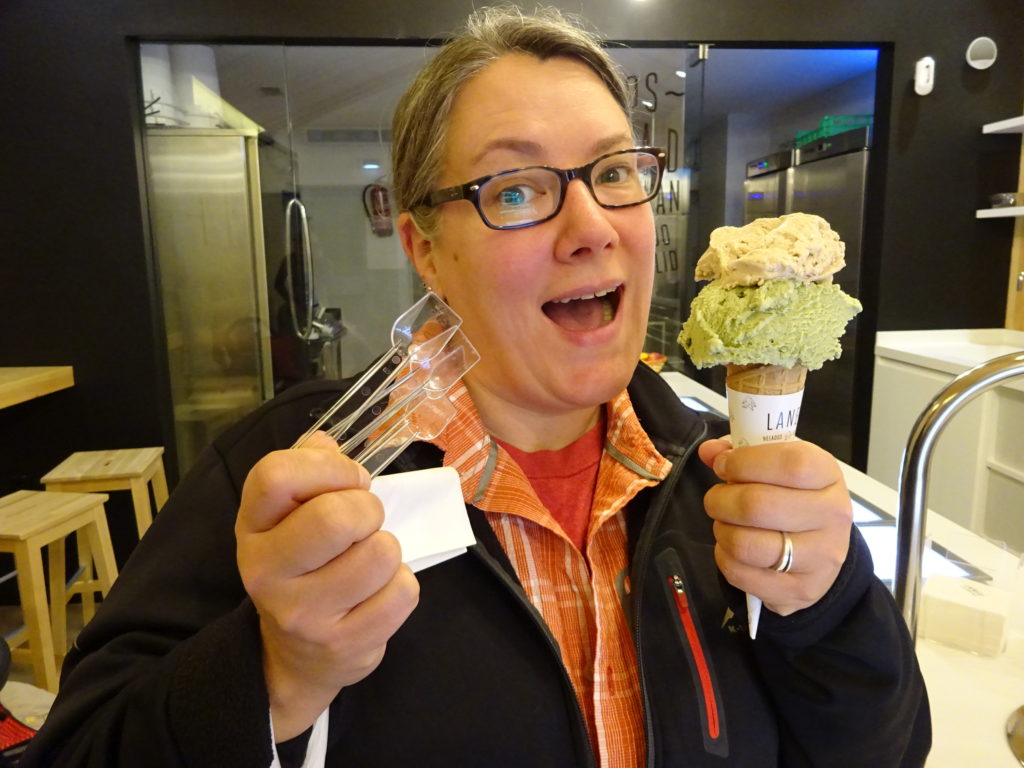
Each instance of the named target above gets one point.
<point>564,480</point>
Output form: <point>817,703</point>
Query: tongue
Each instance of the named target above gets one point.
<point>580,314</point>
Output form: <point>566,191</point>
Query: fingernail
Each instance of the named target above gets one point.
<point>364,477</point>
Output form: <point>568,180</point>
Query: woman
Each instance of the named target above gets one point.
<point>599,619</point>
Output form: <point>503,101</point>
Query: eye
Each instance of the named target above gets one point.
<point>515,195</point>
<point>516,198</point>
<point>516,190</point>
<point>619,173</point>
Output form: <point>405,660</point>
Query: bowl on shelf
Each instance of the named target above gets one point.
<point>1003,199</point>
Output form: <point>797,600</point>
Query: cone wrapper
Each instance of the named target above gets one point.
<point>764,402</point>
<point>764,407</point>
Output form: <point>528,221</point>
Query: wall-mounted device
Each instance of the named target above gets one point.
<point>924,76</point>
<point>982,52</point>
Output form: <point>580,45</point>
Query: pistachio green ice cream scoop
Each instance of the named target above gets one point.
<point>780,322</point>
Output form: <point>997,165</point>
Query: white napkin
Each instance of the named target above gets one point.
<point>426,513</point>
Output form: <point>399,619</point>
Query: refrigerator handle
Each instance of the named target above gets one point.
<point>307,268</point>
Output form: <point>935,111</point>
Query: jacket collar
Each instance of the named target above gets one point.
<point>671,426</point>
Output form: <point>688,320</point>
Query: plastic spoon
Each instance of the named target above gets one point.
<point>429,312</point>
<point>440,373</point>
<point>426,421</point>
<point>419,357</point>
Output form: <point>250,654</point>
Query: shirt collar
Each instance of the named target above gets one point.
<point>469,450</point>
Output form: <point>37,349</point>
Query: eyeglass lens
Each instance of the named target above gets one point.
<point>517,198</point>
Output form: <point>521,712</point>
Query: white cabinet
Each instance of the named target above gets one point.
<point>977,468</point>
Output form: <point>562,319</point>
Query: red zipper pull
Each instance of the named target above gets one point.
<point>707,689</point>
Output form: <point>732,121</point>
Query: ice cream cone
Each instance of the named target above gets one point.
<point>764,406</point>
<point>765,379</point>
<point>770,302</point>
<point>764,402</point>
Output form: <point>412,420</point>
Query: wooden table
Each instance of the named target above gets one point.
<point>20,384</point>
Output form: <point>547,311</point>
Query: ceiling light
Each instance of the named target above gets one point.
<point>680,73</point>
<point>371,166</point>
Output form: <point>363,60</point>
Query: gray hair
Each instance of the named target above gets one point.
<point>420,124</point>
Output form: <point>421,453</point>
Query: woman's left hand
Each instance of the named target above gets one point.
<point>794,487</point>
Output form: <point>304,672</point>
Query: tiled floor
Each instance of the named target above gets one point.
<point>26,702</point>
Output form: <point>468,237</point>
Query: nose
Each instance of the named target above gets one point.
<point>585,227</point>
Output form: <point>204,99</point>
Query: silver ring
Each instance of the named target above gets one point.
<point>786,561</point>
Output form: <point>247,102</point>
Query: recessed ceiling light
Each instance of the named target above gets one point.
<point>680,73</point>
<point>371,166</point>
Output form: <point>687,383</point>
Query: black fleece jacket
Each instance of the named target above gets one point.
<point>169,671</point>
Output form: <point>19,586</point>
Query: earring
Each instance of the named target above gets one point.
<point>430,289</point>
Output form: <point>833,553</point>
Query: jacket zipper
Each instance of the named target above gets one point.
<point>638,568</point>
<point>491,564</point>
<point>707,687</point>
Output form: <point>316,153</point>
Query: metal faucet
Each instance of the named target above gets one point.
<point>914,492</point>
<point>914,473</point>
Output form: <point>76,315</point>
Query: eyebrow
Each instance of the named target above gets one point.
<point>519,146</point>
<point>533,149</point>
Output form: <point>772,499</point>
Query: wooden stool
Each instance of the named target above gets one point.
<point>126,469</point>
<point>29,521</point>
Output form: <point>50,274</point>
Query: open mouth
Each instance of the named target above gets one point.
<point>586,312</point>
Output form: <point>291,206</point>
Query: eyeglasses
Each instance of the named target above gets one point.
<point>528,196</point>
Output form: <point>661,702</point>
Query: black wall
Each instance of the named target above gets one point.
<point>77,282</point>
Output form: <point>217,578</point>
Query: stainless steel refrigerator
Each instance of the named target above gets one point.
<point>829,178</point>
<point>236,275</point>
<point>207,233</point>
<point>764,190</point>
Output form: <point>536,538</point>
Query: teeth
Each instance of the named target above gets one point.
<point>597,295</point>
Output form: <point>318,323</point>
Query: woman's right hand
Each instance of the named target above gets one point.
<point>329,585</point>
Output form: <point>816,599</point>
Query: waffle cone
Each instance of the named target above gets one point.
<point>758,379</point>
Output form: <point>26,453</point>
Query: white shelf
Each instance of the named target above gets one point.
<point>1012,125</point>
<point>995,213</point>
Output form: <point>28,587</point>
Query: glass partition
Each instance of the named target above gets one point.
<point>278,257</point>
<point>271,218</point>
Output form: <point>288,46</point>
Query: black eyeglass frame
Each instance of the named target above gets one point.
<point>471,189</point>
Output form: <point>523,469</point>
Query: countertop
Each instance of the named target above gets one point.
<point>951,351</point>
<point>966,732</point>
<point>20,384</point>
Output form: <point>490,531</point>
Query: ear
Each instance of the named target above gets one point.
<point>419,249</point>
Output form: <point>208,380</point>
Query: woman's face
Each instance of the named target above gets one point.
<point>546,348</point>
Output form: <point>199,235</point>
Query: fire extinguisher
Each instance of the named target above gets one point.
<point>377,205</point>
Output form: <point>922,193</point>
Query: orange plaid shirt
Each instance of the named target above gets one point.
<point>579,594</point>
